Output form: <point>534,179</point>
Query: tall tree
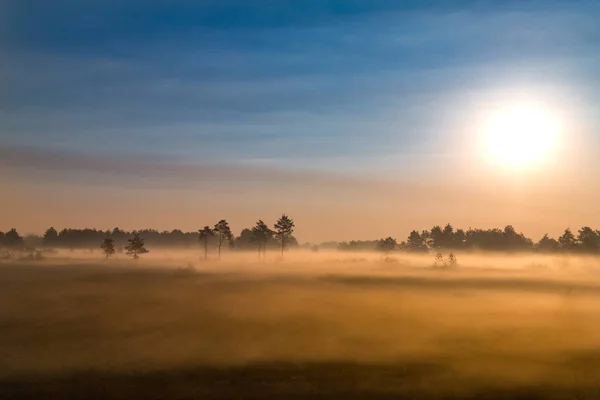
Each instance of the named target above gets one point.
<point>262,234</point>
<point>136,246</point>
<point>204,235</point>
<point>223,233</point>
<point>108,246</point>
<point>284,227</point>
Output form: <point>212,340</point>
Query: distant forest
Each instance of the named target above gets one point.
<point>585,240</point>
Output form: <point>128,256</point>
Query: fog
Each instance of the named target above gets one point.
<point>495,321</point>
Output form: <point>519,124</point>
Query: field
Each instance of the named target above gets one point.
<point>312,326</point>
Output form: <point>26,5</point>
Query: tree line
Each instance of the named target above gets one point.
<point>585,240</point>
<point>260,238</point>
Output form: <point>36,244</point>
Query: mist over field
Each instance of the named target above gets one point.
<point>299,199</point>
<point>329,323</point>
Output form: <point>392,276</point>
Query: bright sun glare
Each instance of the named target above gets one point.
<point>520,137</point>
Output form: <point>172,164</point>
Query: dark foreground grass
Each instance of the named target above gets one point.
<point>282,381</point>
<point>93,332</point>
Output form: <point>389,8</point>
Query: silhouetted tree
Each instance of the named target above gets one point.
<point>547,244</point>
<point>136,246</point>
<point>223,233</point>
<point>205,235</point>
<point>567,240</point>
<point>416,242</point>
<point>108,246</point>
<point>588,240</point>
<point>460,239</point>
<point>448,237</point>
<point>436,237</point>
<point>13,240</point>
<point>284,227</point>
<point>245,240</point>
<point>262,234</point>
<point>515,241</point>
<point>50,238</point>
<point>386,245</point>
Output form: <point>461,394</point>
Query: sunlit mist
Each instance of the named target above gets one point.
<point>311,199</point>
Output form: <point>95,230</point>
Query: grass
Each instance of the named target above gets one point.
<point>86,330</point>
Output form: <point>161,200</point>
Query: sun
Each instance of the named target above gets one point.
<point>520,137</point>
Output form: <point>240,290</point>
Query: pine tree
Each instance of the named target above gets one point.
<point>108,246</point>
<point>417,242</point>
<point>136,246</point>
<point>262,234</point>
<point>204,235</point>
<point>223,233</point>
<point>284,227</point>
<point>50,237</point>
<point>567,240</point>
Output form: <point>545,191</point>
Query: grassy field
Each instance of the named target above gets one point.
<point>100,330</point>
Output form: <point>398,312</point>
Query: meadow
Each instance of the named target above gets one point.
<point>315,325</point>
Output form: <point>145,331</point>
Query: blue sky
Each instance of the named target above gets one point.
<point>346,87</point>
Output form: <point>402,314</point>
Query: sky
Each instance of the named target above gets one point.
<point>358,118</point>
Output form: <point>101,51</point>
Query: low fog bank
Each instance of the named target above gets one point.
<point>500,321</point>
<point>585,268</point>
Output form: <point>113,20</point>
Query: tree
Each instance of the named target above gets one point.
<point>567,240</point>
<point>547,244</point>
<point>108,246</point>
<point>13,240</point>
<point>245,240</point>
<point>50,237</point>
<point>204,235</point>
<point>284,227</point>
<point>515,241</point>
<point>460,238</point>
<point>223,233</point>
<point>448,237</point>
<point>262,234</point>
<point>136,246</point>
<point>588,239</point>
<point>416,242</point>
<point>386,245</point>
<point>436,237</point>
